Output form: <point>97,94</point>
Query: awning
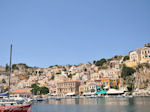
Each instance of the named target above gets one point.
<point>101,92</point>
<point>70,94</point>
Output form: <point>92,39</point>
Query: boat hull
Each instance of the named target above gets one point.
<point>13,108</point>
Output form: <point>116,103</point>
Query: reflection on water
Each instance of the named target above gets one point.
<point>104,101</point>
<point>137,104</point>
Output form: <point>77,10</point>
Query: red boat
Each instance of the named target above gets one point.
<point>15,108</point>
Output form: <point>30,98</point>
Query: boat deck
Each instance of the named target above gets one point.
<point>15,108</point>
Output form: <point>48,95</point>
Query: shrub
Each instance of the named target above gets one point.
<point>100,62</point>
<point>53,77</point>
<point>70,75</point>
<point>130,81</point>
<point>14,67</point>
<point>3,81</point>
<point>126,58</point>
<point>103,67</point>
<point>7,68</point>
<point>127,71</point>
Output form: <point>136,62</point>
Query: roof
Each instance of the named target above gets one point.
<point>21,91</point>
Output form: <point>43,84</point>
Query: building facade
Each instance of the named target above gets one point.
<point>63,88</point>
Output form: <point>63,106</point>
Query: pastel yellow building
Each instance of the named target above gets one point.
<point>141,55</point>
<point>145,55</point>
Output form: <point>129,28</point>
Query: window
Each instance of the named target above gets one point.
<point>104,83</point>
<point>143,52</point>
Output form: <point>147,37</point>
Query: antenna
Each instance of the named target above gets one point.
<point>10,68</point>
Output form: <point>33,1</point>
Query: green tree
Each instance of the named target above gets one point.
<point>3,81</point>
<point>103,67</point>
<point>40,72</point>
<point>127,71</point>
<point>100,62</point>
<point>126,58</point>
<point>44,90</point>
<point>14,67</point>
<point>7,68</point>
<point>58,73</point>
<point>39,90</point>
<point>35,90</point>
<point>50,66</point>
<point>130,81</point>
<point>70,75</point>
<point>147,65</point>
<point>85,69</point>
<point>116,56</point>
<point>34,86</point>
<point>52,77</point>
<point>94,62</point>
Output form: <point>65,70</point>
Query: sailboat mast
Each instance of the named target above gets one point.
<point>10,68</point>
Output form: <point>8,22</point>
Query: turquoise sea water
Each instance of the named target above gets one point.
<point>136,104</point>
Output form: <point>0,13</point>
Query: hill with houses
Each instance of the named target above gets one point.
<point>127,73</point>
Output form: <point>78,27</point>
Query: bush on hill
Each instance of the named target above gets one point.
<point>100,62</point>
<point>126,58</point>
<point>127,71</point>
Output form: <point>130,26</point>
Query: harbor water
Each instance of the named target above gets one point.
<point>135,104</point>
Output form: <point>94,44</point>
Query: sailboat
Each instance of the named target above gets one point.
<point>8,105</point>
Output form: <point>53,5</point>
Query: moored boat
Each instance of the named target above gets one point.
<point>15,108</point>
<point>11,105</point>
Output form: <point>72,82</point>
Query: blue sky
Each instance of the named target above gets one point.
<point>50,32</point>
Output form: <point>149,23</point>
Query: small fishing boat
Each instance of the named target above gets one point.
<point>58,99</point>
